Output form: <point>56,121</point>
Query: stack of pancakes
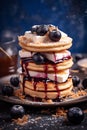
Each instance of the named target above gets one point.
<point>45,62</point>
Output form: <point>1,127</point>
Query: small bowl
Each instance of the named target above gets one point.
<point>83,64</point>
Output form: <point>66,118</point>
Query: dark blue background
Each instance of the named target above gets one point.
<point>17,16</point>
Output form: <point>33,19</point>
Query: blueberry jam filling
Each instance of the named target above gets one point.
<point>64,58</point>
<point>35,79</point>
<point>41,59</point>
<point>44,80</point>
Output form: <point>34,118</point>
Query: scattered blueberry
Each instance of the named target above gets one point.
<point>84,82</point>
<point>7,90</point>
<point>76,80</point>
<point>14,81</point>
<point>38,58</point>
<point>54,35</point>
<point>42,30</point>
<point>75,115</point>
<point>34,28</point>
<point>17,111</point>
<point>78,57</point>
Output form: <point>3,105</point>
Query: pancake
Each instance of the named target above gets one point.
<point>47,95</point>
<point>63,44</point>
<point>50,67</point>
<point>31,41</point>
<point>49,86</point>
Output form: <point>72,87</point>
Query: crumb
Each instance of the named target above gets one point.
<point>18,93</point>
<point>82,93</point>
<point>21,121</point>
<point>38,118</point>
<point>78,94</point>
<point>60,112</point>
<point>47,101</point>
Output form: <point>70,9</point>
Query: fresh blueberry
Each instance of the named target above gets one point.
<point>17,111</point>
<point>42,30</point>
<point>14,81</point>
<point>34,28</point>
<point>84,82</point>
<point>76,80</point>
<point>7,90</point>
<point>54,35</point>
<point>75,115</point>
<point>38,58</point>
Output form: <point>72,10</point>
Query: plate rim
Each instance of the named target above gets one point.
<point>11,99</point>
<point>28,102</point>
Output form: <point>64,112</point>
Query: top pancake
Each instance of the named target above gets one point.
<point>36,43</point>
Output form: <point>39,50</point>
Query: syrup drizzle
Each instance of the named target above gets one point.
<point>45,71</point>
<point>35,83</point>
<point>25,72</point>
<point>56,84</point>
<point>23,85</point>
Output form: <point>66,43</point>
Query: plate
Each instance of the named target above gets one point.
<point>29,102</point>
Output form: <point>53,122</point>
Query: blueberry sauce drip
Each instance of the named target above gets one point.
<point>56,85</point>
<point>35,81</point>
<point>46,60</point>
<point>61,60</point>
<point>25,78</point>
<point>25,62</point>
<point>46,70</point>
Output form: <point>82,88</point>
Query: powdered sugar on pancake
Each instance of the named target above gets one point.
<point>34,38</point>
